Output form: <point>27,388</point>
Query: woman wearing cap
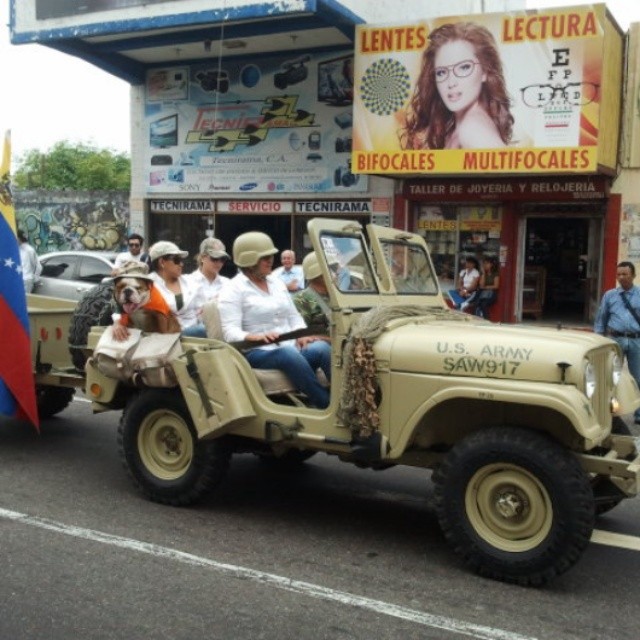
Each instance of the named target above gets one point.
<point>256,306</point>
<point>182,295</point>
<point>207,276</point>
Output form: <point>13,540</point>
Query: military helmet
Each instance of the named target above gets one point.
<point>249,247</point>
<point>311,266</point>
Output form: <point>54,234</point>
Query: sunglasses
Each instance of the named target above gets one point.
<point>134,244</point>
<point>216,259</point>
<point>174,259</point>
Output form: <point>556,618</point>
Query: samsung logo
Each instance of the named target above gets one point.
<point>248,186</point>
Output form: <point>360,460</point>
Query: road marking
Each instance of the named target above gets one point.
<point>270,579</point>
<point>616,540</point>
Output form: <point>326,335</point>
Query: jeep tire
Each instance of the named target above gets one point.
<point>514,504</point>
<point>161,452</point>
<point>94,308</point>
<point>52,400</point>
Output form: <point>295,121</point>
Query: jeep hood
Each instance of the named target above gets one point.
<point>482,349</point>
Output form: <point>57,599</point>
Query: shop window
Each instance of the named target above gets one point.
<point>453,233</point>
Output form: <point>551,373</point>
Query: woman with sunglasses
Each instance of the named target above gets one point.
<point>211,259</point>
<point>460,100</point>
<point>182,295</point>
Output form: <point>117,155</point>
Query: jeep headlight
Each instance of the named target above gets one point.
<point>589,380</point>
<point>616,372</point>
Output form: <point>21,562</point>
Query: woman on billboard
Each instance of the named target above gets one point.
<point>460,100</point>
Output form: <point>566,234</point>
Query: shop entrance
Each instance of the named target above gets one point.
<point>560,257</point>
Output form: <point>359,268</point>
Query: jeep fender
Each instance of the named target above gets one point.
<point>576,416</point>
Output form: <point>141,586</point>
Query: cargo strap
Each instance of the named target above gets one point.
<point>194,374</point>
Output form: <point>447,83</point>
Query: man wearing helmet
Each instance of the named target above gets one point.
<point>256,307</point>
<point>313,305</point>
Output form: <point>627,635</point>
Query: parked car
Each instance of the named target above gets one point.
<point>68,274</point>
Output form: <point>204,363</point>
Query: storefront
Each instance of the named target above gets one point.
<point>187,222</point>
<point>548,235</point>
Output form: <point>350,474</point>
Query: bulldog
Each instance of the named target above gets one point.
<point>143,307</point>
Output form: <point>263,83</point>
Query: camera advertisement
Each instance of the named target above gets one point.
<point>273,125</point>
<point>516,92</point>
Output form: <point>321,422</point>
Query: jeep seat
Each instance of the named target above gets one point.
<point>272,381</point>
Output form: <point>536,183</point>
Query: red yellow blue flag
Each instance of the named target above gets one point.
<point>17,387</point>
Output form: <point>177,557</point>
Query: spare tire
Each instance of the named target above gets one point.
<point>94,308</point>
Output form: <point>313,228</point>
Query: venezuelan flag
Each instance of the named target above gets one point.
<point>17,387</point>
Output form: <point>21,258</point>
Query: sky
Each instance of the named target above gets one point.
<point>58,97</point>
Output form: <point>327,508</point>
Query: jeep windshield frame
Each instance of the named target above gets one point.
<point>410,269</point>
<point>349,262</point>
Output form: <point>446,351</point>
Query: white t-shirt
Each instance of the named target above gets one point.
<point>244,309</point>
<point>209,290</point>
<point>469,277</point>
<point>126,256</point>
<point>31,267</point>
<point>189,314</point>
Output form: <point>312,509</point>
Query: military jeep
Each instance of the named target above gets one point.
<point>521,426</point>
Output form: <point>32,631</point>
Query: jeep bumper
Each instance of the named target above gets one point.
<point>620,463</point>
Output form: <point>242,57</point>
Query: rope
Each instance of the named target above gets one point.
<point>357,408</point>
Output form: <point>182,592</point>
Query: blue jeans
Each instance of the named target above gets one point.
<point>195,331</point>
<point>320,352</point>
<point>299,366</point>
<point>631,349</point>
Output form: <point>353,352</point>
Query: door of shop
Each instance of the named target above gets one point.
<point>559,275</point>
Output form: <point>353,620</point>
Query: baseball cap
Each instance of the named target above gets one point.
<point>214,248</point>
<point>165,248</point>
<point>133,269</point>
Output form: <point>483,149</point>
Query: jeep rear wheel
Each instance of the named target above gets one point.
<point>52,400</point>
<point>515,505</point>
<point>161,452</point>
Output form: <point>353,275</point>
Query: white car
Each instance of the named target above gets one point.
<point>68,274</point>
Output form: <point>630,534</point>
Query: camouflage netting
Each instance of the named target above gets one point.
<point>358,409</point>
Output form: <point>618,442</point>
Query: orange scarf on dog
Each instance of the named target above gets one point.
<point>156,303</point>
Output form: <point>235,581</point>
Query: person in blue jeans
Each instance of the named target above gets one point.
<point>256,306</point>
<point>618,318</point>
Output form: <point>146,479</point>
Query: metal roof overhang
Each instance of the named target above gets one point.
<point>127,48</point>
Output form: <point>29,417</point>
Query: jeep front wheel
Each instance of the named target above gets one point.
<point>515,505</point>
<point>161,452</point>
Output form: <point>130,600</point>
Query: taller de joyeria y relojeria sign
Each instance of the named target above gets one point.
<point>522,92</point>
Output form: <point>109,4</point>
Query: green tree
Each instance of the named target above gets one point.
<point>77,167</point>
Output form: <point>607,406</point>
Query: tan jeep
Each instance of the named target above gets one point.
<point>516,423</point>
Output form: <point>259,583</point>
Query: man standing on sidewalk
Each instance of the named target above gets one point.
<point>619,319</point>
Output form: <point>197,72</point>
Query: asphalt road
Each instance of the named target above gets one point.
<point>330,551</point>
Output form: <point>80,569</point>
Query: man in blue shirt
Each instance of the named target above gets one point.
<point>290,272</point>
<point>616,319</point>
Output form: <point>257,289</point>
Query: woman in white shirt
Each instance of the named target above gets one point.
<point>257,307</point>
<point>207,276</point>
<point>182,295</point>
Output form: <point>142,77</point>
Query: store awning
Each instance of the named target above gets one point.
<point>128,37</point>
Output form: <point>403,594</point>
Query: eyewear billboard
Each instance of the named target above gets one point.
<point>521,92</point>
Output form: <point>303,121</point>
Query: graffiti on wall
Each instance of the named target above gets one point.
<point>73,222</point>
